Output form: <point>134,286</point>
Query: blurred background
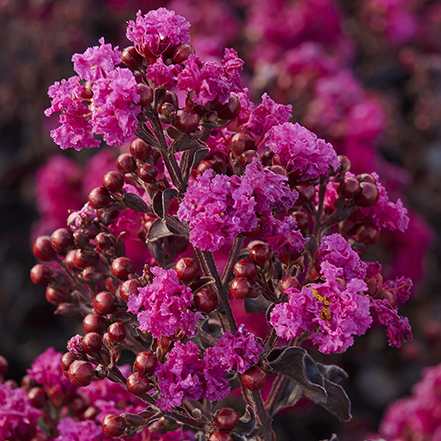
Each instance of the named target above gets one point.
<point>365,75</point>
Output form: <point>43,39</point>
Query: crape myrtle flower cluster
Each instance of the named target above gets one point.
<point>209,176</point>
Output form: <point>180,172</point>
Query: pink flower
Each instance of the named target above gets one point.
<point>210,80</point>
<point>163,307</point>
<point>71,430</point>
<point>301,150</point>
<point>180,377</point>
<point>238,351</point>
<point>162,75</point>
<point>266,115</point>
<point>332,312</point>
<point>82,218</point>
<point>217,387</point>
<point>336,250</point>
<point>97,61</point>
<point>75,124</point>
<point>18,418</point>
<point>157,30</point>
<point>114,103</point>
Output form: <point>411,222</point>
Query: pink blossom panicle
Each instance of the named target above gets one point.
<point>18,418</point>
<point>72,430</point>
<point>163,307</point>
<point>157,29</point>
<point>300,150</point>
<point>97,61</point>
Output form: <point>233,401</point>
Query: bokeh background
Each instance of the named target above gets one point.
<point>363,74</point>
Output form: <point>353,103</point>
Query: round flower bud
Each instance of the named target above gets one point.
<point>260,254</point>
<point>57,296</point>
<point>105,303</point>
<point>148,173</point>
<point>43,249</point>
<point>245,268</point>
<point>349,187</point>
<point>186,269</point>
<point>67,359</point>
<point>113,425</point>
<point>94,323</point>
<point>122,267</point>
<point>242,142</point>
<point>247,157</point>
<point>367,234</point>
<point>145,362</point>
<point>128,288</point>
<point>368,195</point>
<point>137,383</point>
<point>186,120</point>
<point>139,149</point>
<point>131,57</point>
<point>145,95</point>
<point>226,418</point>
<point>306,192</point>
<point>92,343</point>
<point>366,177</point>
<point>41,274</point>
<point>241,288</point>
<point>84,258</point>
<point>205,300</point>
<point>37,397</point>
<point>254,378</point>
<point>229,110</point>
<point>289,282</point>
<point>61,240</point>
<point>117,332</point>
<point>81,373</point>
<point>113,181</point>
<point>182,52</point>
<point>126,163</point>
<point>99,198</point>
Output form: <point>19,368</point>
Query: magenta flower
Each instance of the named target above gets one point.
<point>75,128</point>
<point>217,387</point>
<point>97,61</point>
<point>114,103</point>
<point>180,377</point>
<point>163,307</point>
<point>82,218</point>
<point>238,351</point>
<point>386,214</point>
<point>18,418</point>
<point>162,75</point>
<point>71,430</point>
<point>336,250</point>
<point>333,312</point>
<point>266,115</point>
<point>211,80</point>
<point>158,29</point>
<point>74,344</point>
<point>300,150</point>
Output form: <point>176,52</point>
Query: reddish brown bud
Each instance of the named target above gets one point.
<point>67,359</point>
<point>368,195</point>
<point>254,378</point>
<point>57,296</point>
<point>145,362</point>
<point>205,300</point>
<point>367,234</point>
<point>242,142</point>
<point>41,274</point>
<point>182,52</point>
<point>148,173</point>
<point>92,343</point>
<point>117,332</point>
<point>247,157</point>
<point>84,258</point>
<point>126,163</point>
<point>186,269</point>
<point>37,397</point>
<point>137,383</point>
<point>43,249</point>
<point>113,425</point>
<point>146,95</point>
<point>61,240</point>
<point>186,120</point>
<point>99,198</point>
<point>81,373</point>
<point>260,254</point>
<point>349,187</point>
<point>220,435</point>
<point>139,149</point>
<point>306,192</point>
<point>242,288</point>
<point>289,282</point>
<point>128,288</point>
<point>226,418</point>
<point>105,303</point>
<point>131,57</point>
<point>94,323</point>
<point>122,267</point>
<point>229,110</point>
<point>113,181</point>
<point>245,268</point>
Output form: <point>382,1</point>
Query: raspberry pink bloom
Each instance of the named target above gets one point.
<point>300,150</point>
<point>333,311</point>
<point>97,61</point>
<point>163,307</point>
<point>158,29</point>
<point>336,250</point>
<point>71,430</point>
<point>115,108</point>
<point>181,376</point>
<point>162,75</point>
<point>18,418</point>
<point>211,80</point>
<point>75,130</point>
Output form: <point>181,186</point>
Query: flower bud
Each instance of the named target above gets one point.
<point>205,300</point>
<point>182,52</point>
<point>92,343</point>
<point>148,173</point>
<point>99,198</point>
<point>260,254</point>
<point>117,332</point>
<point>94,323</point>
<point>113,425</point>
<point>105,303</point>
<point>220,435</point>
<point>131,57</point>
<point>43,249</point>
<point>61,240</point>
<point>137,383</point>
<point>41,274</point>
<point>113,181</point>
<point>245,268</point>
<point>254,378</point>
<point>126,163</point>
<point>122,267</point>
<point>241,288</point>
<point>139,149</point>
<point>186,269</point>
<point>145,362</point>
<point>226,418</point>
<point>368,195</point>
<point>242,142</point>
<point>80,373</point>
